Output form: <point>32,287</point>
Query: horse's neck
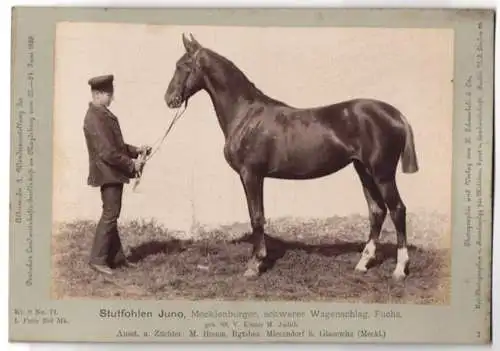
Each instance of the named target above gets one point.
<point>226,100</point>
<point>221,111</point>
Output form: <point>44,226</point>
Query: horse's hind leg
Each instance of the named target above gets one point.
<point>397,210</point>
<point>377,213</point>
<point>254,187</point>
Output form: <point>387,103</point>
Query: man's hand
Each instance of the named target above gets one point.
<point>145,149</point>
<point>138,165</point>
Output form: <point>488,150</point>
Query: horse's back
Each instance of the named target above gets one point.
<point>361,110</point>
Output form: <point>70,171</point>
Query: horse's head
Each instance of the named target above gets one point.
<point>188,78</point>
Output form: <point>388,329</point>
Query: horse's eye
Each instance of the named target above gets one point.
<point>183,66</point>
<point>186,67</point>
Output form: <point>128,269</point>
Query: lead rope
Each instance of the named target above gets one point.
<point>142,156</point>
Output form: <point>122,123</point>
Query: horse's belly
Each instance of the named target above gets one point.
<point>309,161</point>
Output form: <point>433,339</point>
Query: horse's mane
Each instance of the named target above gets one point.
<point>239,78</point>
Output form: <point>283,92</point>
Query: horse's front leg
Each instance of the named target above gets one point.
<point>254,187</point>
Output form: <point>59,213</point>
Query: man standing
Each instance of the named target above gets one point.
<point>112,162</point>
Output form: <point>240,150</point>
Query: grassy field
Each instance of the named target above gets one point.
<point>309,260</point>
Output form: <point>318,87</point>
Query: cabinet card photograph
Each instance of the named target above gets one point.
<point>252,175</point>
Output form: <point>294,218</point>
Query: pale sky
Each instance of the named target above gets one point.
<point>409,68</point>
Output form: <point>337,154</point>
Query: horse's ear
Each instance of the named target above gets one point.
<point>191,46</point>
<point>194,41</point>
<point>186,42</point>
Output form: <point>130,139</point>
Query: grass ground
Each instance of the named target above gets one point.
<point>309,260</point>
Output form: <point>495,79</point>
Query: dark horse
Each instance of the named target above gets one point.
<point>268,138</point>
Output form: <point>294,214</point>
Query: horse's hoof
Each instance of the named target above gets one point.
<point>398,276</point>
<point>251,273</point>
<point>360,269</point>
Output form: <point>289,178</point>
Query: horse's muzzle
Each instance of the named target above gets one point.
<point>173,101</point>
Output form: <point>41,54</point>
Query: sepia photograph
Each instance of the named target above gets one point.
<point>252,163</point>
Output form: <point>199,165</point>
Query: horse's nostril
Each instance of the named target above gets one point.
<point>176,100</point>
<point>173,101</point>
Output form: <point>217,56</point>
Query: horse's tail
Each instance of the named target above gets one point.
<point>409,156</point>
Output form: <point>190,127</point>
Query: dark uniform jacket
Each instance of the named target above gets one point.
<point>110,158</point>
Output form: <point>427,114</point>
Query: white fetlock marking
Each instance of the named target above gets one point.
<point>399,272</point>
<point>361,266</point>
<point>403,256</point>
<point>366,256</point>
<point>369,250</point>
<point>262,253</point>
<point>403,259</point>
